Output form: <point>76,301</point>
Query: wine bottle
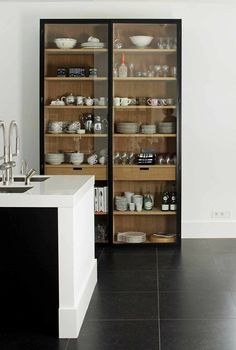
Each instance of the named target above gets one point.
<point>173,201</point>
<point>123,69</point>
<point>165,206</point>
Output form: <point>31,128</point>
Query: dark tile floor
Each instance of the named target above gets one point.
<point>151,298</point>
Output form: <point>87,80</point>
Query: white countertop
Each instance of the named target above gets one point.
<point>56,191</point>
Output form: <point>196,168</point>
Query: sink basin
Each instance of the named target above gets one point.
<point>33,179</point>
<point>7,189</point>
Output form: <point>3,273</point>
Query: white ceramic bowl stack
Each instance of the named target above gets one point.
<point>54,158</point>
<point>167,127</point>
<point>141,41</point>
<point>77,158</point>
<point>148,129</point>
<point>127,128</point>
<point>121,203</point>
<point>65,43</point>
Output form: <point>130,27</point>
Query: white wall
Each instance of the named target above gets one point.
<point>209,91</point>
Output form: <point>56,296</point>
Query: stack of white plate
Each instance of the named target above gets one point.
<point>92,45</point>
<point>148,129</point>
<point>167,127</point>
<point>121,203</point>
<point>131,237</point>
<point>54,158</point>
<point>127,128</point>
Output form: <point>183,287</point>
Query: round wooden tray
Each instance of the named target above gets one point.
<point>156,239</point>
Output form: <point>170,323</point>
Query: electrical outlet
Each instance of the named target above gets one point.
<point>221,214</point>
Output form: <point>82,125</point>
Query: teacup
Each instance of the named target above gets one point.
<point>55,126</point>
<point>93,159</point>
<point>125,101</point>
<point>153,101</point>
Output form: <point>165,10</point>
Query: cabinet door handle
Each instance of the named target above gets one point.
<point>77,168</point>
<point>143,168</point>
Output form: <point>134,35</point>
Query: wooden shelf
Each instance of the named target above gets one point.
<point>144,135</point>
<point>73,51</point>
<point>75,79</point>
<point>69,165</point>
<point>145,79</point>
<point>100,213</point>
<point>144,50</point>
<point>76,135</point>
<point>154,211</point>
<point>144,107</point>
<point>74,107</point>
<point>144,166</point>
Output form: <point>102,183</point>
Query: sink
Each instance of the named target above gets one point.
<point>7,189</point>
<point>33,179</point>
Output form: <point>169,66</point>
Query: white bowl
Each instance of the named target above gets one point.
<point>65,43</point>
<point>141,40</point>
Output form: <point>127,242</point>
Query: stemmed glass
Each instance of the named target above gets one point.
<point>117,43</point>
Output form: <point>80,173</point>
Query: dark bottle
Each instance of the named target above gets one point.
<point>173,201</point>
<point>165,202</point>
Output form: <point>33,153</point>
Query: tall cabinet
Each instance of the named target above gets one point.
<point>110,105</point>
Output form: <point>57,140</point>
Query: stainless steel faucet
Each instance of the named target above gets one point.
<point>8,164</point>
<point>28,176</point>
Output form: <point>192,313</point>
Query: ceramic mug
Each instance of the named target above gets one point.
<point>88,101</point>
<point>125,101</point>
<point>116,101</point>
<point>102,101</point>
<point>80,100</point>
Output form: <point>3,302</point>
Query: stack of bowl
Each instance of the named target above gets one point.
<point>167,127</point>
<point>121,203</point>
<point>65,43</point>
<point>54,158</point>
<point>148,129</point>
<point>77,158</point>
<point>127,128</point>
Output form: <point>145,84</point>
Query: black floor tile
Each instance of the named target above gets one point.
<point>222,245</point>
<point>30,341</point>
<point>225,261</point>
<point>117,335</point>
<point>191,280</point>
<point>128,261</point>
<point>198,335</point>
<point>129,280</point>
<point>123,305</point>
<point>133,249</point>
<point>178,260</point>
<point>196,305</point>
<point>188,246</point>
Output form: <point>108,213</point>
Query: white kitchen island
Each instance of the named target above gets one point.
<point>60,207</point>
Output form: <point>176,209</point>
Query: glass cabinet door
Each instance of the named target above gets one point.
<point>75,106</point>
<point>145,114</point>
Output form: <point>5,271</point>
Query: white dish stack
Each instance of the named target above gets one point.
<point>127,128</point>
<point>167,127</point>
<point>148,129</point>
<point>131,237</point>
<point>54,158</point>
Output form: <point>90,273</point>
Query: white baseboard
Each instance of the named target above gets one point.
<point>209,229</point>
<point>71,319</point>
